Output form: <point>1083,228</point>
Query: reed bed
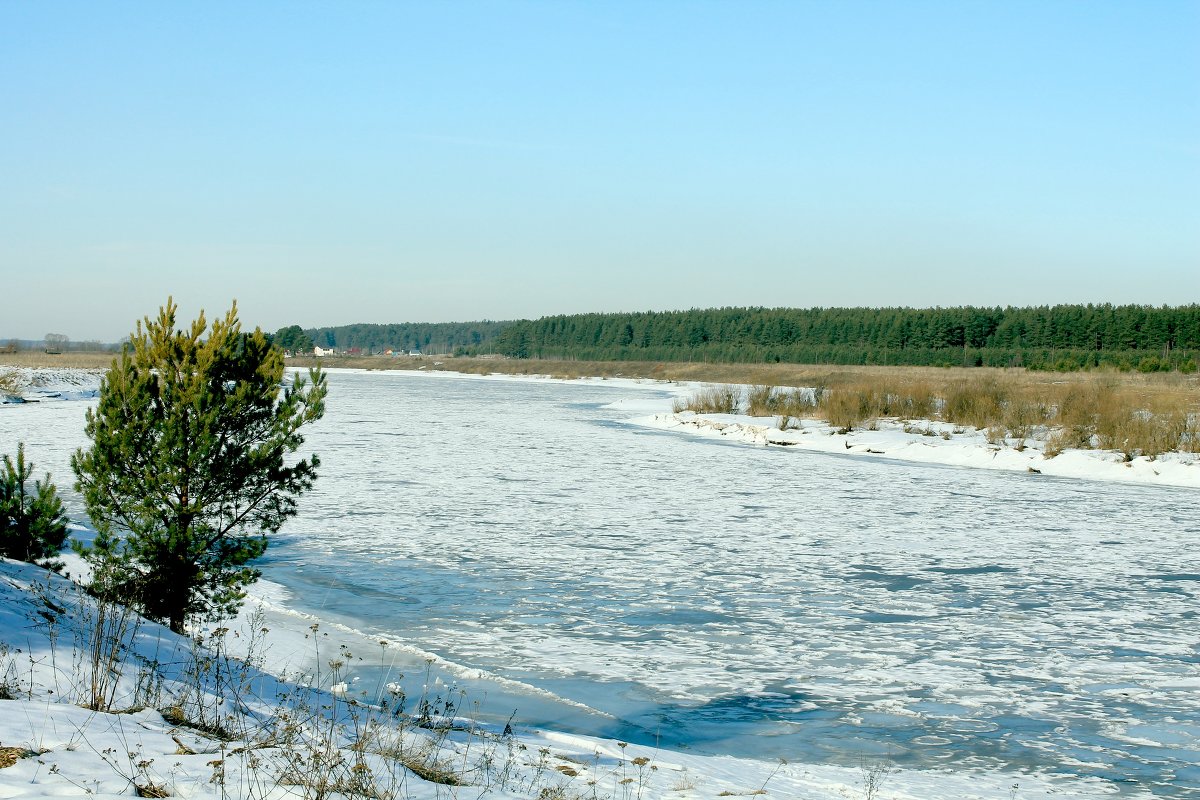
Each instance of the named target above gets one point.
<point>712,399</point>
<point>83,359</point>
<point>1131,417</point>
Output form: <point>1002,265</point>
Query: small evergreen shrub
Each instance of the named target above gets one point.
<point>33,526</point>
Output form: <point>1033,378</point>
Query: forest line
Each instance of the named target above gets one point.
<point>1059,337</point>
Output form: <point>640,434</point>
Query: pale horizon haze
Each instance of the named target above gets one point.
<point>332,163</point>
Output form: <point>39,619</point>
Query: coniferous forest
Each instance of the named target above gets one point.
<point>432,337</point>
<point>1062,337</point>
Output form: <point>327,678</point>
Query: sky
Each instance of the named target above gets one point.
<point>328,163</point>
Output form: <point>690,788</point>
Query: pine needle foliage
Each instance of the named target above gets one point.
<point>190,467</point>
<point>33,526</point>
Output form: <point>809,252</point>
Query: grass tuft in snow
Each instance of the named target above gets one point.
<point>713,399</point>
<point>10,382</point>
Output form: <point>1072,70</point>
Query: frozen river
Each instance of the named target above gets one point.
<point>744,600</point>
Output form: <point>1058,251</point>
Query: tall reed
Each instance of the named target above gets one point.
<point>1099,414</point>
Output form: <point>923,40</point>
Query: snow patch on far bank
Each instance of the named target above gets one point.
<point>40,384</point>
<point>935,443</point>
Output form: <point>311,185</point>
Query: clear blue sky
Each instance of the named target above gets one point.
<point>328,163</point>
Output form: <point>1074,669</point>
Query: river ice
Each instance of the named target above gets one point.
<point>609,579</point>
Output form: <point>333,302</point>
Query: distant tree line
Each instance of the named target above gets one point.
<point>437,337</point>
<point>1061,337</point>
<point>56,343</point>
<point>293,339</point>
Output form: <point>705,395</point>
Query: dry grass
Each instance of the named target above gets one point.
<point>34,358</point>
<point>769,401</point>
<point>713,399</point>
<point>1134,414</point>
<point>1133,417</point>
<point>10,383</point>
<point>11,755</point>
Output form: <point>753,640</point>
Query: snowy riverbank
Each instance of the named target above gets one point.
<point>184,720</point>
<point>928,442</point>
<point>38,384</point>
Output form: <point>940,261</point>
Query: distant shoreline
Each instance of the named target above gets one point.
<point>827,375</point>
<point>672,371</point>
<point>830,375</point>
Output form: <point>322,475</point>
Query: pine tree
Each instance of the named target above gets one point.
<point>33,526</point>
<point>293,339</point>
<point>189,469</point>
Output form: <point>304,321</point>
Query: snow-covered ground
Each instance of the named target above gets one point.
<point>922,442</point>
<point>183,717</point>
<point>555,548</point>
<point>42,384</point>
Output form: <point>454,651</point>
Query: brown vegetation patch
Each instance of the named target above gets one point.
<point>38,359</point>
<point>11,755</point>
<point>1133,417</point>
<point>1132,414</point>
<point>175,715</point>
<point>434,772</point>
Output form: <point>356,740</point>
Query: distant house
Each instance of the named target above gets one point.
<point>319,351</point>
